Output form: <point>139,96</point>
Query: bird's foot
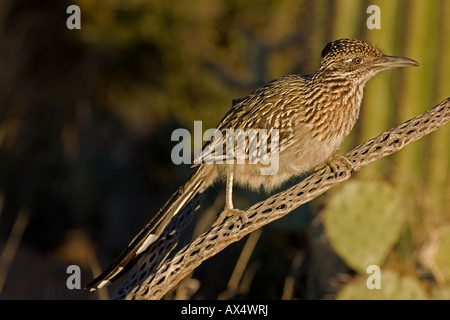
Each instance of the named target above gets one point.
<point>230,212</point>
<point>334,162</point>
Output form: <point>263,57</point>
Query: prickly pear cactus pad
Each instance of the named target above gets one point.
<point>394,286</point>
<point>363,219</point>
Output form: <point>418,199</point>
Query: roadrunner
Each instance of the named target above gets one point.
<point>312,115</point>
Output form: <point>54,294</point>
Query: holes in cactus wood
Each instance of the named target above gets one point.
<point>160,281</point>
<point>385,138</point>
<point>252,215</point>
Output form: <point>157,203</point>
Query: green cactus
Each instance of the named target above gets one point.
<point>394,286</point>
<point>363,220</point>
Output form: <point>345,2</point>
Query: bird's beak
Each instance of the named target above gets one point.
<point>392,62</point>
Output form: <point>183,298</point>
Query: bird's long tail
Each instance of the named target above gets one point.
<point>195,184</point>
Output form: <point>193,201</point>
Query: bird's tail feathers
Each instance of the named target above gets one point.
<point>153,229</point>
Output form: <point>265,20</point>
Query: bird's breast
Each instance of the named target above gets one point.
<point>332,115</point>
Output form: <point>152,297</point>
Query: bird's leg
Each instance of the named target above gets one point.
<point>229,209</point>
<point>229,192</point>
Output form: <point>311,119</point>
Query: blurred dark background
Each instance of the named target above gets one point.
<point>86,118</point>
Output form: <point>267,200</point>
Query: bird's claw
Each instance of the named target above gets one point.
<point>334,163</point>
<point>229,212</point>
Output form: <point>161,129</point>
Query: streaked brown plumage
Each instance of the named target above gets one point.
<point>312,113</point>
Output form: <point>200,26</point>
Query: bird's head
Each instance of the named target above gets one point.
<point>358,61</point>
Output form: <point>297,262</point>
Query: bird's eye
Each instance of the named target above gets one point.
<point>357,60</point>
